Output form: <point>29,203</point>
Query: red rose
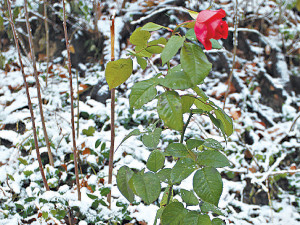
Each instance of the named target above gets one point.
<point>209,25</point>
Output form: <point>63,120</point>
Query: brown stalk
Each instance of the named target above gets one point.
<point>72,103</point>
<point>112,114</point>
<point>28,98</point>
<point>47,39</point>
<point>38,87</point>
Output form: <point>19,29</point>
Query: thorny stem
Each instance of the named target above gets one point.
<point>169,195</point>
<point>72,103</point>
<point>77,78</point>
<point>28,99</point>
<point>38,87</point>
<point>234,51</point>
<point>47,39</point>
<point>185,126</point>
<point>112,116</point>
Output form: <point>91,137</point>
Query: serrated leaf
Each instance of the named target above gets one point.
<point>208,207</point>
<point>182,169</point>
<point>155,161</point>
<point>211,143</point>
<point>193,143</point>
<point>147,186</point>
<point>142,62</point>
<point>176,79</point>
<point>140,37</point>
<point>201,93</point>
<point>89,132</point>
<point>195,218</point>
<point>117,72</point>
<point>160,41</point>
<point>171,48</point>
<point>189,197</point>
<point>194,63</point>
<point>176,150</point>
<point>164,175</point>
<point>169,109</point>
<point>158,215</point>
<point>142,52</point>
<point>207,184</point>
<point>142,92</point>
<point>173,214</point>
<point>134,132</point>
<point>164,200</point>
<point>123,177</point>
<point>187,101</point>
<point>151,26</point>
<point>151,140</point>
<point>203,105</point>
<point>212,158</point>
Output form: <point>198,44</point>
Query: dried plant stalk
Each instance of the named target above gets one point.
<point>72,103</point>
<point>38,87</point>
<point>47,39</point>
<point>112,114</point>
<point>28,98</point>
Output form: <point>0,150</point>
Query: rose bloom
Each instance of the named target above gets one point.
<point>209,25</point>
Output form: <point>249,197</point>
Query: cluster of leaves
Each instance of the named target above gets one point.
<point>196,155</point>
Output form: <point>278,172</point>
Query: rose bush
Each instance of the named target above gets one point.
<point>209,25</point>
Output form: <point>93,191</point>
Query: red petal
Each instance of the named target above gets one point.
<point>206,15</point>
<point>203,34</point>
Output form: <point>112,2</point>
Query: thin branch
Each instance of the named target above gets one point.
<point>47,39</point>
<point>112,114</point>
<point>28,98</point>
<point>38,88</point>
<point>72,103</point>
<point>235,35</point>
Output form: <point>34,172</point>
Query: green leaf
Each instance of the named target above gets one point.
<point>211,143</point>
<point>19,206</point>
<point>176,79</point>
<point>158,215</point>
<point>203,105</point>
<point>182,169</point>
<point>164,175</point>
<point>171,48</point>
<point>29,199</point>
<point>201,93</point>
<point>134,132</point>
<point>215,44</point>
<point>142,93</point>
<point>123,177</point>
<point>117,72</point>
<point>151,26</point>
<point>212,158</point>
<point>194,63</point>
<point>155,161</point>
<point>27,173</point>
<point>190,34</point>
<point>97,143</point>
<point>142,52</point>
<point>164,200</point>
<point>156,46</point>
<point>89,132</point>
<point>189,197</point>
<point>226,121</point>
<point>169,109</point>
<point>193,143</point>
<point>208,207</point>
<point>142,62</point>
<point>207,184</point>
<point>147,186</point>
<point>187,101</point>
<point>173,214</point>
<point>195,218</point>
<point>23,161</point>
<point>160,41</point>
<point>218,221</point>
<point>193,14</point>
<point>92,196</point>
<point>151,140</point>
<point>176,150</point>
<point>45,215</point>
<point>140,37</point>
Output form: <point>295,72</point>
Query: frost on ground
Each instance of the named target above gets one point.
<point>261,186</point>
